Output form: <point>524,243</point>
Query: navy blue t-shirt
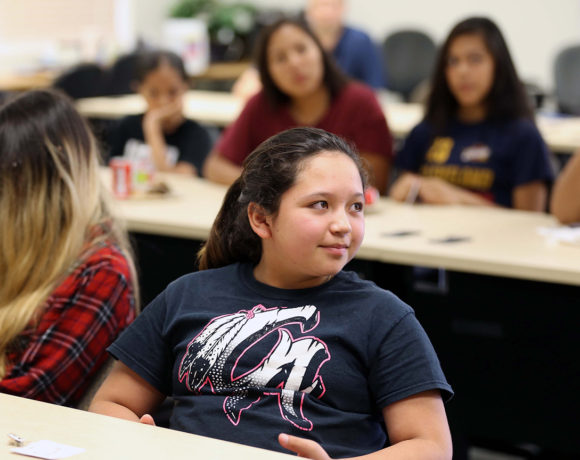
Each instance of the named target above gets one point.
<point>358,56</point>
<point>246,361</point>
<point>490,158</point>
<point>189,143</point>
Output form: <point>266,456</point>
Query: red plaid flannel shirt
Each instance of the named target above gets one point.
<point>56,360</point>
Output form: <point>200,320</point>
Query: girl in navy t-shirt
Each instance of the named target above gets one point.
<point>272,344</point>
<point>478,143</point>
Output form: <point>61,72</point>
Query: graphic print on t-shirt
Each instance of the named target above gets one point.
<point>288,370</point>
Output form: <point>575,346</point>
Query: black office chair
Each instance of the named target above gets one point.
<point>567,80</point>
<point>83,80</point>
<point>408,58</point>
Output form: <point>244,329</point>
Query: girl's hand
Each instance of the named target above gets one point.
<point>147,420</point>
<point>303,447</point>
<point>406,188</point>
<point>166,117</point>
<point>437,191</point>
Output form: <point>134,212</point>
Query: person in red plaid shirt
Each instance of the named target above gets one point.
<point>68,284</point>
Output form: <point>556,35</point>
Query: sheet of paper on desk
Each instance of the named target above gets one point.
<point>566,235</point>
<point>48,450</point>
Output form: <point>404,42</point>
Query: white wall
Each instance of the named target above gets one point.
<point>534,29</point>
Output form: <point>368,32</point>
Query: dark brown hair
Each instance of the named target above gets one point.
<point>268,172</point>
<point>152,60</point>
<point>333,78</point>
<point>507,97</point>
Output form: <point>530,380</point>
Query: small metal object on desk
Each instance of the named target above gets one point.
<point>15,440</point>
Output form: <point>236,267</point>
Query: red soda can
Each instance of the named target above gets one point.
<point>122,178</point>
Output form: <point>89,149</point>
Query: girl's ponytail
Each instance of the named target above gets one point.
<point>231,238</point>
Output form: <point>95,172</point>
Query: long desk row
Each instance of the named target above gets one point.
<point>486,241</point>
<point>562,134</point>
<point>104,437</point>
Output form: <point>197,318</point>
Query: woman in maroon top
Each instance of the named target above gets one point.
<point>303,87</point>
<point>67,280</point>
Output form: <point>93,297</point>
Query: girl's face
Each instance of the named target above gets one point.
<point>470,70</point>
<point>162,87</point>
<point>295,61</point>
<point>319,225</point>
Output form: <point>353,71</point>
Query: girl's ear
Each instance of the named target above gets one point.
<point>259,221</point>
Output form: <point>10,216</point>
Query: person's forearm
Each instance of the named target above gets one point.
<point>471,198</point>
<point>565,202</point>
<point>221,170</point>
<point>434,190</point>
<point>380,168</point>
<point>156,141</point>
<point>113,409</point>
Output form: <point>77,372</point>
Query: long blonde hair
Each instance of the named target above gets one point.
<point>53,210</point>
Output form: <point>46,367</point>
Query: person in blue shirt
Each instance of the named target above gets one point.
<point>478,143</point>
<point>354,51</point>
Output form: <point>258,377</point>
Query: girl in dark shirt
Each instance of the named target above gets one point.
<point>478,143</point>
<point>162,135</point>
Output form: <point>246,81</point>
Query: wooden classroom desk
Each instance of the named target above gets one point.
<point>26,81</point>
<point>562,134</point>
<point>106,437</point>
<point>211,107</point>
<point>222,108</point>
<point>500,242</point>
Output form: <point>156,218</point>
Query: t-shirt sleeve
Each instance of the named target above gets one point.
<point>532,159</point>
<point>120,134</point>
<point>143,349</point>
<point>405,363</point>
<point>412,154</point>
<point>236,142</point>
<point>370,131</point>
<point>195,146</point>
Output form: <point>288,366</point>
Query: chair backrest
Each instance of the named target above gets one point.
<point>408,58</point>
<point>83,80</point>
<point>567,80</point>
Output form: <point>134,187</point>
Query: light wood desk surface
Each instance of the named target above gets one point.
<point>562,134</point>
<point>110,438</point>
<point>26,81</point>
<point>501,242</point>
<point>222,108</point>
<point>213,107</point>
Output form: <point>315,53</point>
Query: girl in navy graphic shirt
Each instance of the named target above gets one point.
<point>271,343</point>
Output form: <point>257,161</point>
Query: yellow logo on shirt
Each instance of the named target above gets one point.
<point>478,179</point>
<point>440,150</point>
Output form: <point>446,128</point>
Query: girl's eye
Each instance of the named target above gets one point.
<point>301,48</point>
<point>452,61</point>
<point>475,58</point>
<point>357,207</point>
<point>320,205</point>
<point>280,58</point>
